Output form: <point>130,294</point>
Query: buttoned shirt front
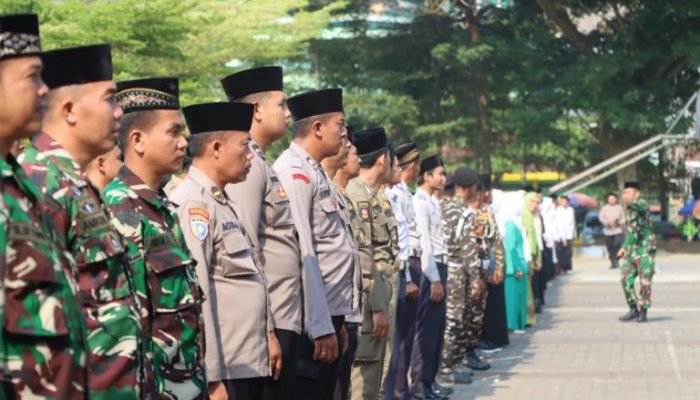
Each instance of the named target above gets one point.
<point>566,223</point>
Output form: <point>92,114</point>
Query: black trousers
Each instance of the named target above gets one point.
<point>283,388</point>
<point>245,389</point>
<point>346,360</point>
<point>537,287</point>
<point>316,380</point>
<point>564,255</point>
<point>396,379</point>
<point>613,244</point>
<point>549,270</point>
<point>495,322</point>
<point>430,331</point>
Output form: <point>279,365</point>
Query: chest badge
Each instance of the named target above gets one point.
<point>281,193</point>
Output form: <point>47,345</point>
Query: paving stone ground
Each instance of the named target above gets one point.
<point>579,350</point>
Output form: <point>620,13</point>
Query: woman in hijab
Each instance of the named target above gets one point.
<point>532,224</point>
<point>516,281</point>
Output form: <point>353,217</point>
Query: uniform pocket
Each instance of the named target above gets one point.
<point>328,226</point>
<point>173,286</point>
<point>238,260</point>
<point>35,303</point>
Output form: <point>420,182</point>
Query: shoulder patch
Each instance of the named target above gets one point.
<point>301,177</point>
<point>199,222</point>
<point>363,207</point>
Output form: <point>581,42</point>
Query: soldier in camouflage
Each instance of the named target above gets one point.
<point>458,222</point>
<point>162,267</point>
<point>55,162</point>
<point>638,252</point>
<point>42,339</point>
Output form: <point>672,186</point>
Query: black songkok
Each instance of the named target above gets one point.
<point>407,153</point>
<point>256,80</point>
<point>315,102</point>
<point>148,94</point>
<point>464,177</point>
<point>430,163</point>
<point>370,141</point>
<point>632,185</point>
<point>77,65</point>
<point>221,116</point>
<point>19,36</point>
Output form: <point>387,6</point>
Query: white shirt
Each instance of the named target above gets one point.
<point>429,224</point>
<point>565,222</point>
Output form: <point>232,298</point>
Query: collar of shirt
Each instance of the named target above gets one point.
<point>257,150</point>
<point>10,168</point>
<point>156,199</point>
<point>304,155</point>
<point>60,157</point>
<point>200,178</point>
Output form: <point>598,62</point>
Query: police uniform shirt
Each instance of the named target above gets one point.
<point>326,245</point>
<point>429,225</point>
<point>236,310</point>
<point>266,216</point>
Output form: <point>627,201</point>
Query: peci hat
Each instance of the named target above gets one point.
<point>370,140</point>
<point>315,102</point>
<point>77,65</point>
<point>407,153</point>
<point>19,36</point>
<point>148,94</point>
<point>430,163</point>
<point>632,185</point>
<point>250,81</point>
<point>220,116</point>
<point>464,177</point>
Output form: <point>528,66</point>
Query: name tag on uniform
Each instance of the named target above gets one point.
<point>325,193</point>
<point>230,226</point>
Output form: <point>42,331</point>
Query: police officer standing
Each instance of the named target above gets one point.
<point>153,147</point>
<point>265,213</point>
<point>375,159</point>
<point>327,249</point>
<point>241,346</point>
<point>81,124</point>
<point>42,314</point>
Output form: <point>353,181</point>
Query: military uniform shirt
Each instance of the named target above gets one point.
<point>362,244</point>
<point>106,292</point>
<point>236,311</point>
<point>266,216</point>
<point>326,244</point>
<point>377,258</point>
<point>43,334</point>
<point>429,225</point>
<point>640,238</point>
<point>165,281</point>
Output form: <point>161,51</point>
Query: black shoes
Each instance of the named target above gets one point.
<point>475,363</point>
<point>642,317</point>
<point>441,390</point>
<point>429,394</point>
<point>632,314</point>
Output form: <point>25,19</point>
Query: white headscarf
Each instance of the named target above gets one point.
<point>511,209</point>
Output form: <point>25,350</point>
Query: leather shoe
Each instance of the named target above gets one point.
<point>475,363</point>
<point>442,390</point>
<point>429,394</point>
<point>631,315</point>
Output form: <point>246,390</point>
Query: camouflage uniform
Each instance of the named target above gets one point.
<point>640,251</point>
<point>457,221</point>
<point>165,282</point>
<point>106,292</point>
<point>43,330</point>
<point>485,235</point>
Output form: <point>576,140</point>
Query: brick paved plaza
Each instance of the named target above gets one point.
<point>579,350</point>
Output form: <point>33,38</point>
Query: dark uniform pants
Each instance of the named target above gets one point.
<point>396,380</point>
<point>345,368</point>
<point>283,388</point>
<point>613,243</point>
<point>316,380</point>
<point>245,389</point>
<point>430,330</point>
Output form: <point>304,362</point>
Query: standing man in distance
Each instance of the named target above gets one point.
<point>566,226</point>
<point>265,213</point>
<point>638,253</point>
<point>164,277</point>
<point>431,309</point>
<point>41,321</point>
<point>326,245</point>
<point>612,216</point>
<point>81,123</point>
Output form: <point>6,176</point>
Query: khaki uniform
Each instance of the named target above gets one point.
<point>326,245</point>
<point>236,311</point>
<point>266,215</point>
<point>367,371</point>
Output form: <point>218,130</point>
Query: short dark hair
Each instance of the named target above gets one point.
<point>198,142</point>
<point>611,194</point>
<point>368,160</point>
<point>253,98</point>
<point>141,120</point>
<point>302,127</point>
